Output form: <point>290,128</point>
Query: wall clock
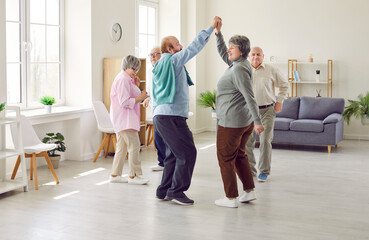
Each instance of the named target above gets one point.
<point>116,32</point>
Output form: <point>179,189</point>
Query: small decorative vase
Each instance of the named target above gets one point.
<point>48,108</point>
<point>317,76</point>
<point>365,120</point>
<point>214,114</point>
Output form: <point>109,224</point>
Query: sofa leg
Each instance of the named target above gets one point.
<point>329,148</point>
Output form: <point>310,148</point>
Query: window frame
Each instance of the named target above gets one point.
<point>148,3</point>
<point>25,54</point>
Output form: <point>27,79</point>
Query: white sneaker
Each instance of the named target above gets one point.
<point>226,202</point>
<point>138,180</point>
<point>247,196</point>
<point>157,167</point>
<point>118,179</point>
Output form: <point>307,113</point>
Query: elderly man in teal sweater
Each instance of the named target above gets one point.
<point>171,107</point>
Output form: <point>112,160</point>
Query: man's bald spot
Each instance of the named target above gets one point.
<point>166,43</point>
<point>155,49</point>
<point>257,49</point>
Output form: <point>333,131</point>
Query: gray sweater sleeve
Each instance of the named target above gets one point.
<point>243,82</point>
<point>222,49</point>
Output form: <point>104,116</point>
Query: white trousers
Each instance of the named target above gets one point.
<point>127,140</point>
<point>267,116</point>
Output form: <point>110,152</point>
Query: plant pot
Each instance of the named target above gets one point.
<point>55,161</point>
<point>214,114</point>
<point>365,120</point>
<point>48,108</point>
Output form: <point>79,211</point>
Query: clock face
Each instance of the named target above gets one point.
<point>116,32</point>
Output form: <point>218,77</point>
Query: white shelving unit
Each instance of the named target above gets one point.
<point>326,78</point>
<point>11,115</point>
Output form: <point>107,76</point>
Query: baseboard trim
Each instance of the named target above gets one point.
<point>355,137</point>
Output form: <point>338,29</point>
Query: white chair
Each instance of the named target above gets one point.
<point>33,147</point>
<point>105,125</point>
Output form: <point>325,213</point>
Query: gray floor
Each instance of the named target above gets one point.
<point>310,195</point>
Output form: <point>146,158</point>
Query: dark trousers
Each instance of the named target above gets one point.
<point>160,147</point>
<point>180,155</point>
<point>232,158</point>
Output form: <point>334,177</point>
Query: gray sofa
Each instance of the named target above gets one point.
<point>310,120</point>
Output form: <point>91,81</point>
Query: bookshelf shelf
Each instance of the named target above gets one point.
<point>293,65</point>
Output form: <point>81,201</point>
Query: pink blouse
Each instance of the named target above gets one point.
<point>124,112</point>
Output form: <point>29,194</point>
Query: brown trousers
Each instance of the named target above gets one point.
<point>232,158</point>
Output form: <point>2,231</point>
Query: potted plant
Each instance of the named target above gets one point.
<point>57,139</point>
<point>207,99</point>
<point>2,107</point>
<point>48,102</point>
<point>358,109</point>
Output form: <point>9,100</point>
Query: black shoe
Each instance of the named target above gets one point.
<point>181,200</point>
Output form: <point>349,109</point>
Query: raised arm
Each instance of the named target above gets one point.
<point>182,57</point>
<point>222,49</point>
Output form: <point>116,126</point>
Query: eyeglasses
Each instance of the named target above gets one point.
<point>154,54</point>
<point>134,69</point>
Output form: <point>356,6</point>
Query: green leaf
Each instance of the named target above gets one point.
<point>207,99</point>
<point>357,108</point>
<point>2,106</point>
<point>47,100</point>
<point>57,139</point>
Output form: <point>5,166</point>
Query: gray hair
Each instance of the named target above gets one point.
<point>131,62</point>
<point>243,44</point>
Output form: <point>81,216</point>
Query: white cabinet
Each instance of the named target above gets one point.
<point>11,115</point>
<point>308,79</point>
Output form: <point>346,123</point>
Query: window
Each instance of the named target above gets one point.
<point>34,46</point>
<point>147,12</point>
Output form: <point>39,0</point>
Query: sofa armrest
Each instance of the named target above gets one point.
<point>333,118</point>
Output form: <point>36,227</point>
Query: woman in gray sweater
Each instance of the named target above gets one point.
<point>238,116</point>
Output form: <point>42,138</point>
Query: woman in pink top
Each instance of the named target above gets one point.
<point>125,115</point>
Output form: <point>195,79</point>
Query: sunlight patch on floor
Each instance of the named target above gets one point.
<point>90,172</point>
<point>65,195</point>
<point>102,183</point>
<point>207,146</point>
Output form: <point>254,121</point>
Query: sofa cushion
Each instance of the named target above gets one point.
<point>320,108</point>
<point>290,108</point>
<point>282,123</point>
<point>333,118</point>
<point>307,125</point>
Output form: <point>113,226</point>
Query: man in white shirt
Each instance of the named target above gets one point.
<point>266,79</point>
<point>155,55</point>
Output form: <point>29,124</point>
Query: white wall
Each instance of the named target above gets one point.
<point>2,53</point>
<point>104,15</point>
<point>78,69</point>
<point>293,29</point>
<point>169,18</point>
